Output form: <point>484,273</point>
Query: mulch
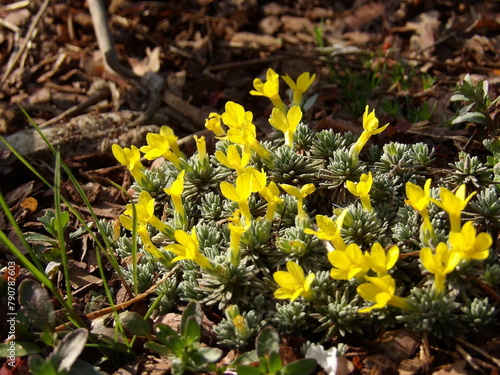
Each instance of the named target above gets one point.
<point>209,52</point>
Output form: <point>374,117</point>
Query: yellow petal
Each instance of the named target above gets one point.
<point>183,238</point>
<point>294,116</point>
<point>283,293</point>
<point>307,189</point>
<point>278,120</point>
<point>244,185</point>
<point>291,190</point>
<point>352,187</point>
<point>296,271</point>
<point>229,191</point>
<point>304,81</point>
<point>309,281</point>
<point>289,81</point>
<point>368,291</point>
<point>393,256</point>
<point>427,259</point>
<point>285,280</point>
<point>339,259</point>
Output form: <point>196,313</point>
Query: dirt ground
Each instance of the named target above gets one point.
<point>208,52</point>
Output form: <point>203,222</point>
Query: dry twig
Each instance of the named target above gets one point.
<point>29,34</point>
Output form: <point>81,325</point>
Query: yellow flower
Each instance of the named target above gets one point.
<point>236,230</point>
<point>258,180</point>
<point>233,314</point>
<point>370,127</point>
<point>201,146</point>
<point>329,230</point>
<point>145,214</point>
<point>148,245</point>
<point>175,191</point>
<point>163,144</point>
<point>213,123</point>
<point>470,246</point>
<point>418,198</point>
<point>441,263</point>
<point>303,82</point>
<point>293,283</point>
<point>381,291</point>
<point>271,194</point>
<point>241,130</point>
<point>270,89</point>
<point>362,189</point>
<point>233,159</point>
<point>286,123</point>
<point>239,193</point>
<point>188,248</point>
<point>235,115</point>
<point>300,194</point>
<point>382,262</point>
<point>130,158</point>
<point>349,263</point>
<point>453,204</point>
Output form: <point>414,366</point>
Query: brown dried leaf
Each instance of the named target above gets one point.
<point>270,25</point>
<point>254,40</point>
<point>296,24</point>
<point>30,204</point>
<point>410,366</point>
<point>287,354</point>
<point>151,63</point>
<point>400,344</point>
<point>173,320</point>
<point>79,277</point>
<point>425,27</point>
<point>344,366</point>
<point>20,193</point>
<point>364,15</point>
<point>457,368</point>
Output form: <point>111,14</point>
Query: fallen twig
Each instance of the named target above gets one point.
<point>16,56</point>
<point>97,314</point>
<point>485,354</point>
<point>101,94</point>
<point>105,40</point>
<point>153,82</point>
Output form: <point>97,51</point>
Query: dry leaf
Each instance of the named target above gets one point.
<point>151,63</point>
<point>425,27</point>
<point>254,40</point>
<point>364,15</point>
<point>457,368</point>
<point>30,204</point>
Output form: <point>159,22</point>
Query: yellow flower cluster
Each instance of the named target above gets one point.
<point>372,269</point>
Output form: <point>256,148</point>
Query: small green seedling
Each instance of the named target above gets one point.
<point>477,109</point>
<point>267,355</point>
<point>183,348</point>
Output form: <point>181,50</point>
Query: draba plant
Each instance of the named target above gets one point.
<point>314,233</point>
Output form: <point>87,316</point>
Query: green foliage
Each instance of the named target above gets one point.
<point>338,315</point>
<point>362,227</point>
<point>269,360</point>
<point>291,168</point>
<point>46,247</point>
<point>64,359</point>
<point>480,315</point>
<point>183,348</point>
<point>478,102</point>
<point>232,254</point>
<point>435,314</point>
<point>291,318</point>
<point>36,321</point>
<point>236,330</point>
